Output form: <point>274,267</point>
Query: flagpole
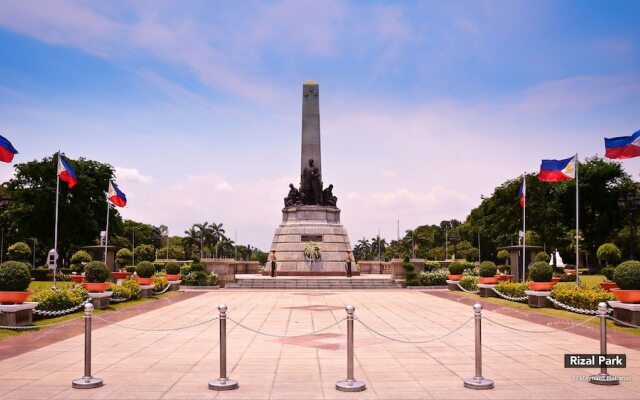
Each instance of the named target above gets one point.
<point>55,235</point>
<point>577,226</point>
<point>106,234</point>
<point>524,228</point>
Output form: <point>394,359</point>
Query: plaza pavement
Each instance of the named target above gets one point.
<point>137,364</point>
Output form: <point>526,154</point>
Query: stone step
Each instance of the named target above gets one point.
<point>311,283</point>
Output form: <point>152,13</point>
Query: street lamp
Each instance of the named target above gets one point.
<point>35,242</point>
<point>133,246</point>
<point>630,203</point>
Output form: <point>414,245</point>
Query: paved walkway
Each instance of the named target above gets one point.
<point>177,365</point>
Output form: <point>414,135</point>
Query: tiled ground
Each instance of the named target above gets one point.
<point>177,365</point>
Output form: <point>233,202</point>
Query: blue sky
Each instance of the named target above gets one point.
<point>425,106</point>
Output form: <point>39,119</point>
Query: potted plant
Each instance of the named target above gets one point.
<point>14,282</point>
<point>455,271</point>
<point>503,273</point>
<point>608,274</point>
<point>144,273</point>
<point>76,278</point>
<point>487,272</point>
<point>541,273</point>
<point>172,271</point>
<point>96,275</point>
<point>627,276</point>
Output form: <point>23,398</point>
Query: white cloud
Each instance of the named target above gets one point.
<point>131,175</point>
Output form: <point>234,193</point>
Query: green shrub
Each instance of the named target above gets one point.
<point>196,266</point>
<point>609,253</point>
<point>60,299</point>
<point>130,269</point>
<point>81,257</point>
<point>488,269</point>
<point>469,283</point>
<point>119,291</point>
<point>14,276</point>
<point>542,256</point>
<point>213,279</point>
<point>406,259</point>
<point>196,278</point>
<point>42,274</point>
<point>410,275</point>
<point>627,275</point>
<point>145,252</point>
<point>608,272</point>
<point>19,251</point>
<point>145,269</point>
<point>158,266</point>
<point>503,256</point>
<point>580,297</point>
<point>504,269</point>
<point>512,289</point>
<point>172,268</point>
<point>77,268</point>
<point>159,282</point>
<point>456,268</point>
<point>541,272</point>
<point>133,287</point>
<point>123,257</point>
<point>433,278</point>
<point>184,270</point>
<point>565,277</point>
<point>430,266</point>
<point>96,272</point>
<point>468,265</point>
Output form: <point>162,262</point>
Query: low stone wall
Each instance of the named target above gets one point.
<point>227,268</point>
<point>370,267</point>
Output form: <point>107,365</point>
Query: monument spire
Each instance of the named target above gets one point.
<point>310,127</point>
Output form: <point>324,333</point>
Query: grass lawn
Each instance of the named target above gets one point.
<point>42,324</point>
<point>37,286</point>
<point>589,281</point>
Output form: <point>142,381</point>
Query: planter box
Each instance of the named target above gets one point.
<point>100,300</point>
<point>486,290</point>
<point>146,290</point>
<point>17,314</point>
<point>453,285</point>
<point>626,312</point>
<point>175,285</point>
<point>538,299</point>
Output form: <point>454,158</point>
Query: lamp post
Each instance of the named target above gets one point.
<point>133,246</point>
<point>35,242</point>
<point>630,203</point>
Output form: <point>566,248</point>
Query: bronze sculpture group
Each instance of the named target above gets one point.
<point>311,191</point>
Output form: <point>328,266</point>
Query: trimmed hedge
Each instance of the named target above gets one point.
<point>587,299</point>
<point>172,268</point>
<point>96,272</point>
<point>627,275</point>
<point>145,269</point>
<point>433,278</point>
<point>488,269</point>
<point>541,272</point>
<point>456,268</point>
<point>60,299</point>
<point>512,289</point>
<point>14,276</point>
<point>608,272</point>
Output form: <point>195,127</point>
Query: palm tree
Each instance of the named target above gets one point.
<point>191,240</point>
<point>378,246</point>
<point>204,234</point>
<point>364,249</point>
<point>217,233</point>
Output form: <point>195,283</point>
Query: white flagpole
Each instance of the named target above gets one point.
<point>524,228</point>
<point>106,234</point>
<point>577,226</point>
<point>55,235</point>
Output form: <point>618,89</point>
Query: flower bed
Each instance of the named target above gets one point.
<point>512,289</point>
<point>578,297</point>
<point>435,278</point>
<point>60,299</point>
<point>469,282</point>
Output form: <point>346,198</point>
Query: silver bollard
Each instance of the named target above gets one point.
<point>603,378</point>
<point>478,382</point>
<point>223,383</point>
<point>87,381</point>
<point>350,384</point>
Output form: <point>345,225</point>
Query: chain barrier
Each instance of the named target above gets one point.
<point>121,300</point>
<point>416,341</point>
<point>547,331</point>
<point>467,291</point>
<point>622,322</point>
<point>284,336</point>
<point>27,327</point>
<point>135,328</point>
<point>61,312</point>
<point>504,296</point>
<point>574,309</point>
<point>163,290</point>
<point>19,328</point>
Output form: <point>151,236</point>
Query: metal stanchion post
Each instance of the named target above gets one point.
<point>350,384</point>
<point>603,378</point>
<point>223,383</point>
<point>87,381</point>
<point>478,382</point>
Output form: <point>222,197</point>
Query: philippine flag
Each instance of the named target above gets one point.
<point>66,173</point>
<point>523,193</point>
<point>623,147</point>
<point>7,151</point>
<point>558,170</point>
<point>116,196</point>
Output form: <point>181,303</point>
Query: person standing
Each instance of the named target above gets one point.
<point>273,263</point>
<point>347,264</point>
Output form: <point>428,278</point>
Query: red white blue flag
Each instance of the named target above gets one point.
<point>116,196</point>
<point>558,170</point>
<point>7,151</point>
<point>523,193</point>
<point>66,173</point>
<point>623,147</point>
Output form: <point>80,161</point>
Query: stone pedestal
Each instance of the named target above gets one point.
<point>453,285</point>
<point>486,290</point>
<point>174,285</point>
<point>146,290</point>
<point>100,300</point>
<point>626,312</point>
<point>538,299</point>
<point>304,224</point>
<point>17,314</point>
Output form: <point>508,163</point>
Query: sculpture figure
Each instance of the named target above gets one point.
<point>311,185</point>
<point>293,197</point>
<point>328,197</point>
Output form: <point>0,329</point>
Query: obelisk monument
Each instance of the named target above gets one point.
<point>311,217</point>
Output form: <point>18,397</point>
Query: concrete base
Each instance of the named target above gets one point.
<point>17,314</point>
<point>174,285</point>
<point>223,384</point>
<point>453,285</point>
<point>350,386</point>
<point>100,300</point>
<point>538,299</point>
<point>486,290</point>
<point>626,312</point>
<point>146,290</point>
